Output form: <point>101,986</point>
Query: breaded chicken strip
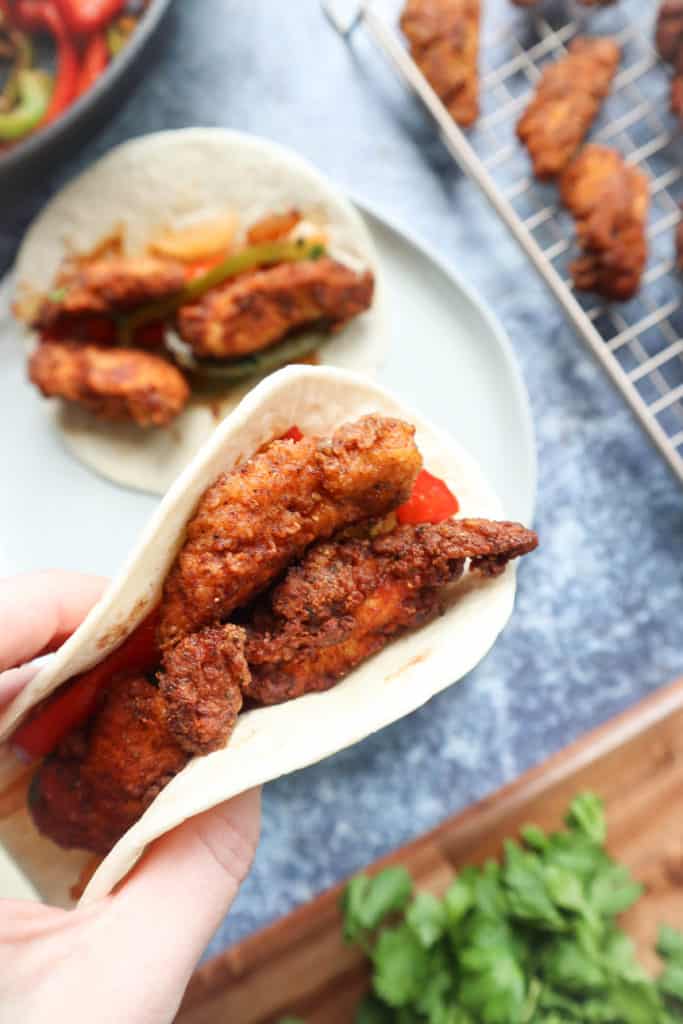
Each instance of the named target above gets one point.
<point>201,685</point>
<point>566,103</point>
<point>104,776</point>
<point>610,202</point>
<point>252,522</point>
<point>112,383</point>
<point>444,42</point>
<point>347,599</point>
<point>259,309</point>
<point>110,285</point>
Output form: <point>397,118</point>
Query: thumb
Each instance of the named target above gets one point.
<point>172,903</point>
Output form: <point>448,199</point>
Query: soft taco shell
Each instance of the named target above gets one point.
<point>168,180</point>
<point>272,741</point>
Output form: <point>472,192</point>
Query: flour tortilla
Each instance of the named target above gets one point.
<point>272,741</point>
<point>168,180</point>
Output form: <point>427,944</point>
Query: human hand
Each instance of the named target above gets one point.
<point>128,957</point>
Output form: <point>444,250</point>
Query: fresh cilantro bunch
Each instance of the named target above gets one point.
<point>533,940</point>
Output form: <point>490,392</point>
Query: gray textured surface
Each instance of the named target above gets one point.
<point>598,619</point>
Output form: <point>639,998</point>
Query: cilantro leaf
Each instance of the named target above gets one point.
<point>670,943</point>
<point>535,837</point>
<point>488,894</point>
<point>614,890</point>
<point>427,917</point>
<point>671,980</point>
<point>493,985</point>
<point>367,901</point>
<point>569,968</point>
<point>460,897</point>
<point>526,888</point>
<point>401,966</point>
<point>619,958</point>
<point>566,890</point>
<point>587,816</point>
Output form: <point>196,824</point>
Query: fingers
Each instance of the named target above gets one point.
<point>38,608</point>
<point>13,681</point>
<point>169,908</point>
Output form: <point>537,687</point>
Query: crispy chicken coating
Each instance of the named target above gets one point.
<point>444,42</point>
<point>104,776</point>
<point>253,521</point>
<point>201,685</point>
<point>347,599</point>
<point>669,39</point>
<point>610,202</point>
<point>110,285</point>
<point>566,102</point>
<point>260,308</point>
<point>112,383</point>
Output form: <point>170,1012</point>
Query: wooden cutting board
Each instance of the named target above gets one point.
<point>300,965</point>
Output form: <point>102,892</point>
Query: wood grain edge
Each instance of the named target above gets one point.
<point>447,844</point>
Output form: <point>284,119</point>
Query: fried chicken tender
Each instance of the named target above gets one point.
<point>110,285</point>
<point>566,103</point>
<point>610,201</point>
<point>347,599</point>
<point>201,686</point>
<point>260,308</point>
<point>113,383</point>
<point>102,777</point>
<point>253,521</point>
<point>444,42</point>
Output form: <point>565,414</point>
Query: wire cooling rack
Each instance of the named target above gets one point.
<point>638,343</point>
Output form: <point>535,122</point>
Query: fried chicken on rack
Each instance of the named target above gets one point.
<point>346,600</point>
<point>444,42</point>
<point>255,520</point>
<point>102,777</point>
<point>669,39</point>
<point>566,102</point>
<point>258,309</point>
<point>113,383</point>
<point>110,285</point>
<point>610,201</point>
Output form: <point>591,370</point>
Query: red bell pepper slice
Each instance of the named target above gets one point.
<point>293,434</point>
<point>95,330</point>
<point>94,61</point>
<point>87,16</point>
<point>44,15</point>
<point>71,705</point>
<point>430,502</point>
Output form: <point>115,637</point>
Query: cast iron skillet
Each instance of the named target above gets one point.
<point>93,107</point>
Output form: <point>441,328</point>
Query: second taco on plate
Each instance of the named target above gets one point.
<point>162,283</point>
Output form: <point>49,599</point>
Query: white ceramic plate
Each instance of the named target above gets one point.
<point>449,358</point>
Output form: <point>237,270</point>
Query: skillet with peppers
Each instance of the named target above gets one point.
<point>77,38</point>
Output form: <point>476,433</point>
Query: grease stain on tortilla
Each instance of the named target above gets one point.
<point>422,656</point>
<point>117,634</point>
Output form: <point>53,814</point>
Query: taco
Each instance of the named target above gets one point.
<point>162,283</point>
<point>327,563</point>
